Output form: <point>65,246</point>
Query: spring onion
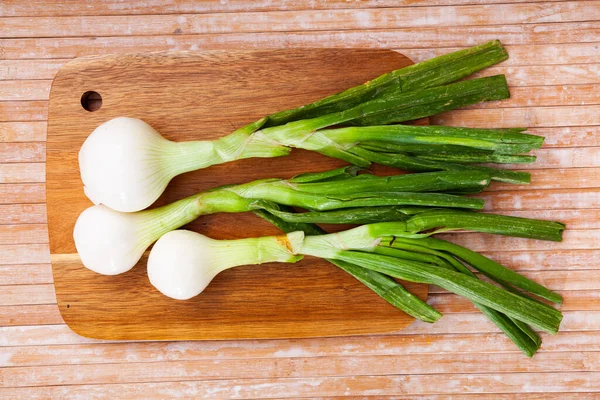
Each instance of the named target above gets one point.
<point>111,242</point>
<point>126,164</point>
<point>521,334</point>
<point>196,269</point>
<point>207,257</point>
<point>429,73</point>
<point>385,287</point>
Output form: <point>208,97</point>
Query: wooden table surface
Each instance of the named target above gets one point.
<point>554,73</point>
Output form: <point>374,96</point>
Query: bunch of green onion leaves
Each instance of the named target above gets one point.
<point>396,216</point>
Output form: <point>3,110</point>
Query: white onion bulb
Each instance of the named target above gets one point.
<point>121,164</point>
<point>126,164</point>
<point>183,263</point>
<point>110,242</point>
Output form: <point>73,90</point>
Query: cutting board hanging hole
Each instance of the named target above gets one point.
<point>91,101</point>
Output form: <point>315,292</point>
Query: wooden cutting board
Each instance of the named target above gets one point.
<point>204,95</point>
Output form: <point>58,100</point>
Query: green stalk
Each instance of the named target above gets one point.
<point>525,338</point>
<point>403,107</point>
<point>434,72</point>
<point>480,158</point>
<point>415,163</point>
<point>542,317</point>
<point>437,100</point>
<point>501,140</point>
<point>385,287</point>
<point>413,256</point>
<point>262,194</point>
<point>367,237</point>
<point>312,201</point>
<point>326,176</point>
<point>490,223</point>
<point>423,182</point>
<point>361,215</point>
<point>363,192</point>
<point>419,149</point>
<point>489,267</point>
<point>518,332</point>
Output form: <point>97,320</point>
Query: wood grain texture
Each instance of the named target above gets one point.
<point>553,73</point>
<point>257,21</point>
<point>14,8</point>
<point>222,91</point>
<point>448,37</point>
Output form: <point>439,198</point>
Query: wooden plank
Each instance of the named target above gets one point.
<point>22,214</point>
<point>546,75</point>
<point>567,158</point>
<point>573,240</point>
<point>24,254</point>
<point>23,274</point>
<point>542,199</point>
<point>22,111</point>
<point>23,173</point>
<point>555,116</point>
<point>22,152</point>
<point>30,69</point>
<point>27,294</point>
<point>566,56</point>
<point>452,36</point>
<point>526,53</point>
<point>14,8</point>
<point>575,157</point>
<point>22,315</point>
<point>45,335</point>
<point>23,131</point>
<point>24,234</point>
<point>475,323</point>
<point>522,75</point>
<point>573,218</point>
<point>540,96</point>
<point>15,90</point>
<point>327,386</point>
<point>389,345</point>
<point>546,260</point>
<point>353,346</point>
<point>568,280</point>
<point>567,136</point>
<point>280,21</point>
<point>555,178</point>
<point>488,396</point>
<point>581,300</point>
<point>18,193</point>
<point>264,368</point>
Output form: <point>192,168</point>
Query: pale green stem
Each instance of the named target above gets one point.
<point>246,142</point>
<point>260,250</point>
